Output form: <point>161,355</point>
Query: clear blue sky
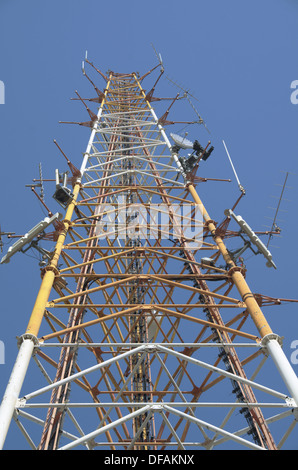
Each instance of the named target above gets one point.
<point>237,58</point>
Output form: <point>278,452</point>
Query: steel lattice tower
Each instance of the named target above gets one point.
<point>142,343</point>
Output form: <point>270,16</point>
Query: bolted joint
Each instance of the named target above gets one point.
<point>67,221</point>
<point>27,336</point>
<point>150,347</point>
<point>291,403</point>
<point>208,222</point>
<point>235,269</point>
<point>50,268</point>
<point>271,336</point>
<point>157,408</point>
<point>21,402</point>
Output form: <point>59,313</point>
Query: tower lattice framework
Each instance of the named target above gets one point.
<point>144,329</point>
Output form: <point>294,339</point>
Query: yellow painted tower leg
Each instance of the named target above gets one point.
<point>51,270</point>
<point>28,340</point>
<point>236,274</point>
<point>269,340</point>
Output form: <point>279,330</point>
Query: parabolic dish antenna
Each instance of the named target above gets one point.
<point>182,142</point>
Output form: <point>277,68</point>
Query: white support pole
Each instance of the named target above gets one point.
<point>97,432</point>
<point>14,386</point>
<point>26,349</point>
<point>175,156</point>
<point>211,427</point>
<point>17,378</point>
<point>83,372</point>
<point>87,153</point>
<point>223,372</point>
<point>283,365</point>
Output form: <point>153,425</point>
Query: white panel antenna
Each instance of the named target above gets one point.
<point>153,324</point>
<point>18,245</point>
<point>253,237</point>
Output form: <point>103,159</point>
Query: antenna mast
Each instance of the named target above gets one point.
<point>144,328</point>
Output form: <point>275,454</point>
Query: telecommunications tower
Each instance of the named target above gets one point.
<point>145,334</point>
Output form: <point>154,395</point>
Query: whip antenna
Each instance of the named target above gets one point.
<point>233,168</point>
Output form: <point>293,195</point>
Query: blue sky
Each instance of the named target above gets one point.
<point>238,59</point>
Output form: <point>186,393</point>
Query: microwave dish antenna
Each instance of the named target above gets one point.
<point>182,142</point>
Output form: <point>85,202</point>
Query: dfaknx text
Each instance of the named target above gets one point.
<point>173,459</point>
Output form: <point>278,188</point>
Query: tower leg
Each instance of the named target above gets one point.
<point>14,386</point>
<point>283,365</point>
<point>268,338</point>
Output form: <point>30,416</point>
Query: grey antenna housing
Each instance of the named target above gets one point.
<point>245,228</point>
<point>34,232</point>
<point>63,194</point>
<point>198,152</point>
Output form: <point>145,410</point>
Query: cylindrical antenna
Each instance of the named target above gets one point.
<point>57,177</point>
